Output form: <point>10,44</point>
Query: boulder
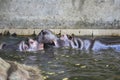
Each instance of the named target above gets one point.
<point>10,70</point>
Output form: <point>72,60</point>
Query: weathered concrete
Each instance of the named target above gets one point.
<point>79,32</point>
<point>60,14</point>
<point>10,70</point>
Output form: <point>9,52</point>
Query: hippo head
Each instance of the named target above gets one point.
<point>46,36</point>
<point>23,46</point>
<point>30,45</point>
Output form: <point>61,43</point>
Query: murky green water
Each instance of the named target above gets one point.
<point>67,64</point>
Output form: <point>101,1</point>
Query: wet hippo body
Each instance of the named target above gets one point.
<point>47,39</point>
<point>46,36</point>
<point>8,46</point>
<point>102,44</point>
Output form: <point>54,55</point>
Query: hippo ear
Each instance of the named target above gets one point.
<point>41,33</point>
<point>40,36</point>
<point>2,45</point>
<point>23,46</point>
<point>70,37</point>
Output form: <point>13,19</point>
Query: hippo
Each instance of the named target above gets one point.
<point>32,45</point>
<point>48,37</point>
<point>29,45</point>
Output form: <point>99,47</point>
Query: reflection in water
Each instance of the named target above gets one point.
<point>69,64</point>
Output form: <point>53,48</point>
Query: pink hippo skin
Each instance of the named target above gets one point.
<point>33,45</point>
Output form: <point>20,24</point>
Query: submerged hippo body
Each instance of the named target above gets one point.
<point>8,46</point>
<point>46,36</point>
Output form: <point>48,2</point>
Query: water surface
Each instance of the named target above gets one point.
<point>68,64</point>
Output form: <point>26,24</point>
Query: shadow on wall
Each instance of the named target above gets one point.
<point>78,4</point>
<point>3,4</point>
<point>99,24</point>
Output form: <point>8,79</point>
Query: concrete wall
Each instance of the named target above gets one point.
<point>78,32</point>
<point>60,14</point>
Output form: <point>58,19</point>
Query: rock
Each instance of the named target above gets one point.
<point>4,67</point>
<point>10,70</point>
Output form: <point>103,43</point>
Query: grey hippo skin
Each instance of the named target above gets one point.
<point>49,38</point>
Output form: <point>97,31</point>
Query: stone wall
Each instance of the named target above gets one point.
<point>60,14</point>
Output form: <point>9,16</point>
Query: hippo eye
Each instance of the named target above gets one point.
<point>31,42</point>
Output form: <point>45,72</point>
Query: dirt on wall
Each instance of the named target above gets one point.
<point>86,14</point>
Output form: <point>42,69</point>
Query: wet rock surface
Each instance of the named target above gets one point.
<point>10,70</point>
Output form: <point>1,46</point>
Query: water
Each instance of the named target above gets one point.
<point>68,64</point>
